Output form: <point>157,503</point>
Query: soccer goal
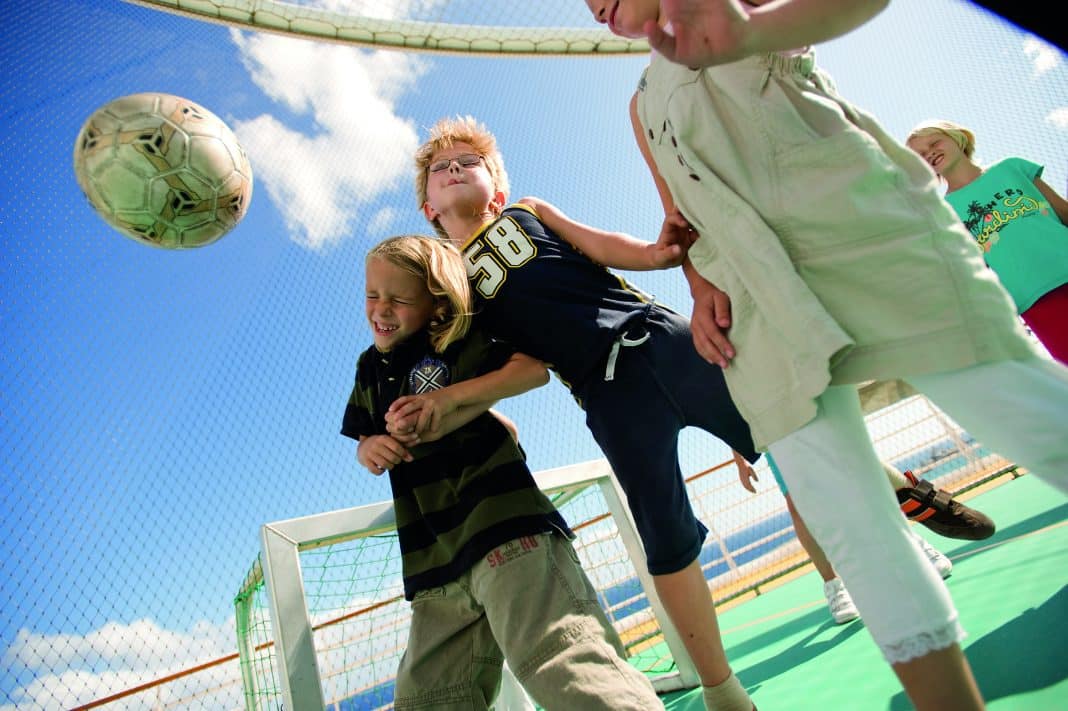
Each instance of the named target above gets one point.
<point>328,589</point>
<point>322,620</point>
<point>559,27</point>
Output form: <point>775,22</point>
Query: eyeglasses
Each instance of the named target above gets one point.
<point>464,160</point>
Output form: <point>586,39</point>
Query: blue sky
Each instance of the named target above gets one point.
<point>157,407</point>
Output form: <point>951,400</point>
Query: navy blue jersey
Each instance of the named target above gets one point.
<point>546,298</point>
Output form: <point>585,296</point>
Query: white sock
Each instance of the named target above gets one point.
<point>897,479</point>
<point>728,695</point>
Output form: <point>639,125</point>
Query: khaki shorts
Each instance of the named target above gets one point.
<point>530,602</point>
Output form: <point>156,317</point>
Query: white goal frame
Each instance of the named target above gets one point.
<point>281,543</point>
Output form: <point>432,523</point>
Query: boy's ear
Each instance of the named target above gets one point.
<point>498,200</point>
<point>429,212</point>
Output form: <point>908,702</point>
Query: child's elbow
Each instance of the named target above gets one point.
<point>543,376</point>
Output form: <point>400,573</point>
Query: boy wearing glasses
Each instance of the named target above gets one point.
<point>542,285</point>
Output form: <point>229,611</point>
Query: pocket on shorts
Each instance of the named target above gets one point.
<point>573,554</point>
<point>569,570</point>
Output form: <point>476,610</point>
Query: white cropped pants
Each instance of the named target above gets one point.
<point>1017,408</point>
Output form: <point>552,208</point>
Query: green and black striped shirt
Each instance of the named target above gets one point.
<point>465,494</point>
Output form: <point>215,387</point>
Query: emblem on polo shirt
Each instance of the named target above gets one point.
<point>428,374</point>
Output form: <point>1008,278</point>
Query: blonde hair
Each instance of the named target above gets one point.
<point>440,267</point>
<point>960,135</point>
<point>459,129</point>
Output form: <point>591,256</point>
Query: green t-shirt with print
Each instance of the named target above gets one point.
<point>1022,239</point>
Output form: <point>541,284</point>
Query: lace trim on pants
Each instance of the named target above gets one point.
<point>923,643</point>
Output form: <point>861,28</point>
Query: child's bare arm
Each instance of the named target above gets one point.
<point>430,416</point>
<point>710,32</point>
<point>406,428</point>
<point>711,307</point>
<point>711,318</point>
<point>616,249</point>
<point>746,474</point>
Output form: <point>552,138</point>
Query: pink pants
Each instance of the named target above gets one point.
<point>1048,320</point>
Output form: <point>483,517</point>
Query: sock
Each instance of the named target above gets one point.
<point>729,695</point>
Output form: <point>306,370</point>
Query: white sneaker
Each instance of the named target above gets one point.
<point>941,563</point>
<point>842,608</point>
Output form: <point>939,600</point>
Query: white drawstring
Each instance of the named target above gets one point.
<point>624,342</point>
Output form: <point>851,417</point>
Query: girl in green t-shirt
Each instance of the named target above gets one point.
<point>1018,220</point>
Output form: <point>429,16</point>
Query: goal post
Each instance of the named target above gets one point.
<point>281,544</point>
<point>306,613</point>
<point>360,26</point>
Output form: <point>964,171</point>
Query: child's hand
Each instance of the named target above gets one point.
<point>711,318</point>
<point>746,475</point>
<point>706,32</point>
<point>402,419</point>
<point>381,452</point>
<point>676,236</point>
<point>419,416</point>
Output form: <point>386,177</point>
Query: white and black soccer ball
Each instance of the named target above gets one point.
<point>163,170</point>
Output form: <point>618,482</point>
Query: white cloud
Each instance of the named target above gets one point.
<point>1043,56</point>
<point>1058,117</point>
<point>379,224</point>
<point>68,670</point>
<point>357,148</point>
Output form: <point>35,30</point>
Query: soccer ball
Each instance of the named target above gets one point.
<point>163,170</point>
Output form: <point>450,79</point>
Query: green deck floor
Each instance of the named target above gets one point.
<point>1011,591</point>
